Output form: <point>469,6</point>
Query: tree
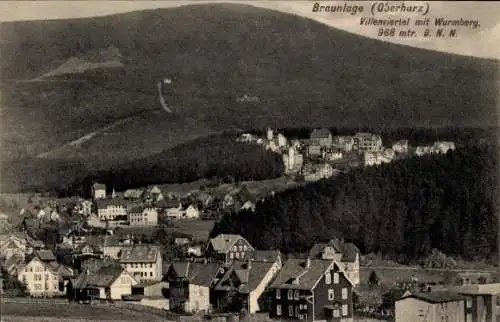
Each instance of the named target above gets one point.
<point>373,280</point>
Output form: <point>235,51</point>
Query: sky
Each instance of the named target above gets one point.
<point>481,42</point>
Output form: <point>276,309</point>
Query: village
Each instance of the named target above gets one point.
<point>323,155</point>
<point>100,257</point>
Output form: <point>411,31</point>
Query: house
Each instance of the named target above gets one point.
<point>45,255</point>
<point>367,142</point>
<point>143,262</point>
<point>314,150</point>
<point>249,205</point>
<point>315,172</point>
<point>133,194</point>
<point>86,208</point>
<point>482,302</point>
<point>192,212</point>
<point>189,285</point>
<point>400,146</point>
<point>311,290</point>
<point>346,255</point>
<point>18,244</point>
<point>173,208</point>
<point>108,283</point>
<point>282,140</point>
<point>321,137</point>
<point>179,241</point>
<point>270,134</point>
<point>152,289</point>
<point>247,279</point>
<point>343,142</point>
<point>12,265</point>
<point>112,209</point>
<point>99,191</point>
<point>333,155</point>
<point>143,216</point>
<point>44,279</point>
<point>227,247</point>
<point>431,307</point>
<point>293,161</point>
<point>376,158</point>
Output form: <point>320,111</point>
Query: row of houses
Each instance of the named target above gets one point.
<point>144,207</point>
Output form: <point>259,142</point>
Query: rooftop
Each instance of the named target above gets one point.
<point>320,133</point>
<point>202,274</point>
<point>222,243</point>
<point>435,297</point>
<point>139,254</point>
<point>305,277</point>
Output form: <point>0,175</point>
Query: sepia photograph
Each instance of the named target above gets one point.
<point>249,161</point>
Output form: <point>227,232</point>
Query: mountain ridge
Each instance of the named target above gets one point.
<point>305,74</point>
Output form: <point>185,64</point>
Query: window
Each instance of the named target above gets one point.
<point>331,295</point>
<point>296,295</point>
<point>328,278</point>
<point>278,310</point>
<point>278,294</point>
<point>469,303</point>
<point>297,311</point>
<point>150,265</point>
<point>290,310</point>
<point>231,255</point>
<point>237,255</point>
<point>336,313</point>
<point>335,278</point>
<point>290,294</point>
<point>344,293</point>
<point>345,309</point>
<point>150,274</point>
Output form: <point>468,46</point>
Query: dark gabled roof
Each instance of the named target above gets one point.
<point>435,297</point>
<point>104,203</point>
<point>104,277</point>
<point>266,255</point>
<point>99,186</point>
<point>244,195</point>
<point>307,278</point>
<point>320,133</point>
<point>202,274</point>
<point>45,255</point>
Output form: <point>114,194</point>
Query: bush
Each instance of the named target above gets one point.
<point>438,259</point>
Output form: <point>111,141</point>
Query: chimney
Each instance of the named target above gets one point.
<point>308,262</point>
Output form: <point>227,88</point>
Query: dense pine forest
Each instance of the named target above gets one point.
<point>216,157</point>
<point>402,210</point>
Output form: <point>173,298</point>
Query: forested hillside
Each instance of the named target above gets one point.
<point>213,157</point>
<point>402,210</point>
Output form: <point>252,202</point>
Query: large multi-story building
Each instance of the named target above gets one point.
<point>143,216</point>
<point>143,262</point>
<point>367,142</point>
<point>112,209</point>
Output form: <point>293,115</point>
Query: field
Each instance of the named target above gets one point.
<point>25,311</point>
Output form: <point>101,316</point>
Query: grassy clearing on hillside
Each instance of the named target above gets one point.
<point>257,188</point>
<point>72,311</point>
